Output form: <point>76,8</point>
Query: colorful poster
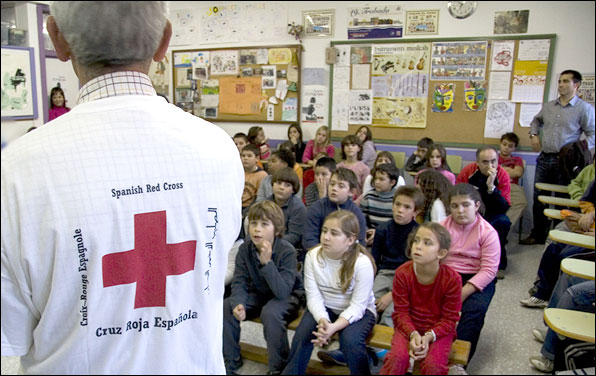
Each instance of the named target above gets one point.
<point>499,118</point>
<point>240,96</point>
<point>511,22</point>
<point>399,112</point>
<point>376,21</point>
<point>586,90</point>
<point>502,55</point>
<point>360,55</point>
<point>360,110</point>
<point>529,80</point>
<point>400,58</point>
<point>458,61</point>
<point>474,95</point>
<point>443,97</point>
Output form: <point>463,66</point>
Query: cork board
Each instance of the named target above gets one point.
<point>459,128</point>
<point>258,84</point>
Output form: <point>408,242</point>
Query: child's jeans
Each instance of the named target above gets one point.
<point>352,342</point>
<point>435,362</point>
<point>274,315</point>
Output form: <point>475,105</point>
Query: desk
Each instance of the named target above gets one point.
<point>553,214</point>
<point>552,187</point>
<point>578,268</point>
<point>572,238</point>
<point>570,323</point>
<point>558,201</point>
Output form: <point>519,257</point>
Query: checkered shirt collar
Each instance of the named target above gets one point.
<point>116,84</point>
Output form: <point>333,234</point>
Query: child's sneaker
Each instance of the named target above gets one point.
<point>542,364</point>
<point>332,357</point>
<point>539,334</point>
<point>533,302</point>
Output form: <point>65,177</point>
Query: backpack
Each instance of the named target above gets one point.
<point>573,157</point>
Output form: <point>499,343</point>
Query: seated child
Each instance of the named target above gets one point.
<point>515,168</point>
<point>436,158</point>
<point>474,254</point>
<point>266,284</point>
<point>321,143</point>
<point>369,150</point>
<point>416,161</point>
<point>285,184</point>
<point>389,252</point>
<point>435,188</point>
<point>322,175</point>
<point>389,246</point>
<point>309,174</point>
<point>256,136</point>
<point>341,188</point>
<point>351,154</point>
<point>279,159</point>
<point>338,276</point>
<point>295,137</point>
<point>253,175</point>
<point>377,204</point>
<point>241,140</point>
<point>383,157</point>
<point>427,297</point>
<point>292,148</point>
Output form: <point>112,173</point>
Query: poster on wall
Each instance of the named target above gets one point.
<point>224,62</point>
<point>422,22</point>
<point>459,60</point>
<point>18,83</point>
<point>360,111</point>
<point>400,84</point>
<point>511,22</point>
<point>376,21</point>
<point>529,80</point>
<point>314,105</point>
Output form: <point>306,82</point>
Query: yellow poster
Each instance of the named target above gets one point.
<point>280,55</point>
<point>240,96</point>
<point>530,68</point>
<point>399,112</point>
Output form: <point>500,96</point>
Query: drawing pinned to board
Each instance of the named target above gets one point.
<point>474,95</point>
<point>499,118</point>
<point>360,111</point>
<point>443,96</point>
<point>360,55</point>
<point>399,112</point>
<point>224,62</point>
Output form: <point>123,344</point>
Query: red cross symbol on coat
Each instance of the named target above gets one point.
<point>150,262</point>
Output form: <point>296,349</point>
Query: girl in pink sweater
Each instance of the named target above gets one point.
<point>436,158</point>
<point>57,103</point>
<point>474,253</point>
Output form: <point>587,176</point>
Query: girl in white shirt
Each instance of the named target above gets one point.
<point>338,279</point>
<point>435,188</point>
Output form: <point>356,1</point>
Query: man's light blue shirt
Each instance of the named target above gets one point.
<point>563,124</point>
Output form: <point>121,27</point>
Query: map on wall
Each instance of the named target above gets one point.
<point>235,22</point>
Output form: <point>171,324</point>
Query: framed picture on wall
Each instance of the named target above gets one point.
<point>318,23</point>
<point>19,99</point>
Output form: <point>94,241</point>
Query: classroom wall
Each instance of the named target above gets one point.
<point>573,22</point>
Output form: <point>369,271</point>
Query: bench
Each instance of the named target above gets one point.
<point>380,337</point>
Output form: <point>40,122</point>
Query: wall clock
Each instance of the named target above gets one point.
<point>461,9</point>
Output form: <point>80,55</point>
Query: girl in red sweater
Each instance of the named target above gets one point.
<point>427,301</point>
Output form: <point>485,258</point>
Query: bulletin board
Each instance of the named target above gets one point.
<point>407,89</point>
<point>240,84</point>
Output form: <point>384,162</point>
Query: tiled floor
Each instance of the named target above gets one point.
<point>506,342</point>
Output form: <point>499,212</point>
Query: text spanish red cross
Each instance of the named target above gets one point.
<point>150,262</point>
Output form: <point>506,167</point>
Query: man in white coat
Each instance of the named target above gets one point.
<point>117,217</point>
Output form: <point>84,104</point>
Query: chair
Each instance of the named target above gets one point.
<point>454,162</point>
<point>400,158</point>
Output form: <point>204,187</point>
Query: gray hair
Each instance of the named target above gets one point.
<point>111,33</point>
